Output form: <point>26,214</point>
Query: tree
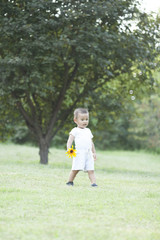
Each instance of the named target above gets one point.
<point>144,124</point>
<point>55,53</point>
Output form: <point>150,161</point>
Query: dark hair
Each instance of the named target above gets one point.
<point>80,110</point>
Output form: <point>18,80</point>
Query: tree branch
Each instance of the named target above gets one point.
<point>60,99</point>
<point>64,117</point>
<point>29,121</point>
<point>37,107</point>
<point>34,115</point>
<point>68,111</point>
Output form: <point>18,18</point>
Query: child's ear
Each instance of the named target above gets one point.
<point>74,120</point>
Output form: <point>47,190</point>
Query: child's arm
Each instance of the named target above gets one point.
<point>70,141</point>
<point>94,151</point>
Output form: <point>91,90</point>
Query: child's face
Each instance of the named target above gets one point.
<point>82,120</point>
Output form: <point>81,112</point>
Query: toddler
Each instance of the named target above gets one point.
<point>86,153</point>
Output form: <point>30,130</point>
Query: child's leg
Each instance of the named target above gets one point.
<point>72,175</point>
<point>91,176</point>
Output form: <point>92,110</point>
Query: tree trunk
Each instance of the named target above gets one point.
<point>43,151</point>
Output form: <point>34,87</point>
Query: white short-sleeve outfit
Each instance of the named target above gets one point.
<point>83,144</point>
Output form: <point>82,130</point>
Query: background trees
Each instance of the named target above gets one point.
<point>57,54</point>
<point>145,121</point>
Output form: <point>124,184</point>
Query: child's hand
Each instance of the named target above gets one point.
<point>94,156</point>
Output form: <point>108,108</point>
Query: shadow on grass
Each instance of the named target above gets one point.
<point>129,172</point>
<point>112,170</point>
<point>60,165</point>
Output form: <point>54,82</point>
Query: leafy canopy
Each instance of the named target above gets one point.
<point>54,53</point>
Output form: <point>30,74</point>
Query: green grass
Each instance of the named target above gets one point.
<point>36,204</point>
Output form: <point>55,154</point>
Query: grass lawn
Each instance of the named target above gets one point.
<point>35,203</point>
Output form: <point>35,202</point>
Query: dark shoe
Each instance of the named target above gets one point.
<point>94,185</point>
<point>70,183</point>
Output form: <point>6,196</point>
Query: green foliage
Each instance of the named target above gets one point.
<point>55,54</point>
<point>22,136</point>
<point>9,118</point>
<point>145,126</point>
<point>143,131</point>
